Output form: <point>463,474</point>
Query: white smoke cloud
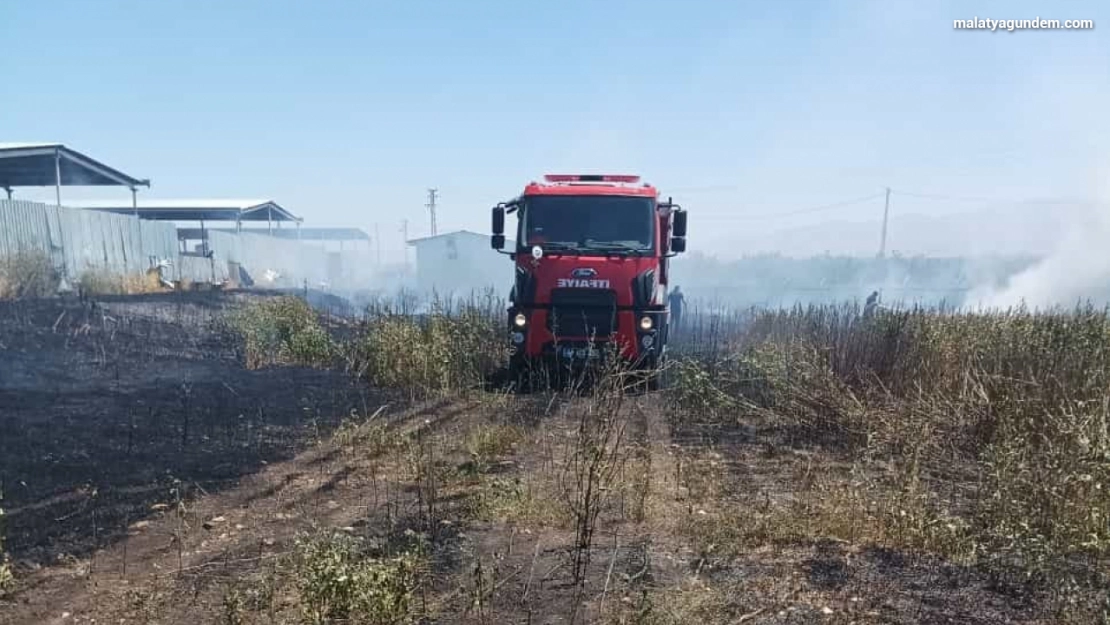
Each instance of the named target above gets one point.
<point>1077,270</point>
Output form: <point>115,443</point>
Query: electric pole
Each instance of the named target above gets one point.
<point>431,206</point>
<point>886,216</point>
<point>378,244</point>
<point>405,233</point>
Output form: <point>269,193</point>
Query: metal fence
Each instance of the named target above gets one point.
<point>82,240</point>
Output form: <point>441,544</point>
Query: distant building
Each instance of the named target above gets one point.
<point>461,262</point>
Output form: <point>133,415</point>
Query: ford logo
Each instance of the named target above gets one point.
<point>583,272</point>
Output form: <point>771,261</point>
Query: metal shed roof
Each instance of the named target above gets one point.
<point>54,164</point>
<point>304,234</point>
<point>448,234</point>
<point>195,210</point>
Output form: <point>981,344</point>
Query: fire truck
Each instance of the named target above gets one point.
<point>591,261</point>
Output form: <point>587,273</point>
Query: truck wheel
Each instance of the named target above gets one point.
<point>518,376</point>
<point>657,375</point>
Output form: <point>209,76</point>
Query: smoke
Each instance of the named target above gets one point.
<point>1076,270</point>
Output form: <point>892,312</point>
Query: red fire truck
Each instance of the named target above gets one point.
<point>591,260</point>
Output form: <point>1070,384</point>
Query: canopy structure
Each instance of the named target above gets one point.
<point>303,234</point>
<point>55,165</point>
<point>199,210</point>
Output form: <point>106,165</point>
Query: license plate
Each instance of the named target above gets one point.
<point>578,353</point>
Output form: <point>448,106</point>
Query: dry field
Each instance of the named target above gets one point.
<point>224,458</point>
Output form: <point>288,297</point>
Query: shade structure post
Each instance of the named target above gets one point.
<point>269,221</point>
<point>9,190</point>
<point>135,212</point>
<point>58,176</point>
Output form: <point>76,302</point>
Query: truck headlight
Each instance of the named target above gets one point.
<point>520,320</point>
<point>646,323</point>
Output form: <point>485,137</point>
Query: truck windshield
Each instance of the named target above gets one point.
<point>581,223</point>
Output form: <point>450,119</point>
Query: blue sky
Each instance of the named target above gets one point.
<point>347,111</point>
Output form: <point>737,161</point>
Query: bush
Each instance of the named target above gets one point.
<point>443,351</point>
<point>282,331</point>
<point>28,274</point>
<point>339,583</point>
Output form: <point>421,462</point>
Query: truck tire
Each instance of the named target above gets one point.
<point>657,378</point>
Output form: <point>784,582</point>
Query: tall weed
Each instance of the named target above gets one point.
<point>28,274</point>
<point>1009,409</point>
<point>450,349</point>
<point>282,331</point>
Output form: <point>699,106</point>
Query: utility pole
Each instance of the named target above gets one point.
<point>886,216</point>
<point>405,234</point>
<point>378,245</point>
<point>431,206</point>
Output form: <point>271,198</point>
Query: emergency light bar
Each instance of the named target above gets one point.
<point>590,178</point>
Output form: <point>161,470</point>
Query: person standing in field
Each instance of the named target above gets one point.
<point>676,300</point>
<point>871,304</point>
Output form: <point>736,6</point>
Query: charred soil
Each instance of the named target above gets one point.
<point>150,478</point>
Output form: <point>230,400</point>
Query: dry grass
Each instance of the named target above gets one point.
<point>98,281</point>
<point>6,576</point>
<point>28,274</point>
<point>983,438</point>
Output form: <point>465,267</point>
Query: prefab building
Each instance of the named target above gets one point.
<point>460,263</point>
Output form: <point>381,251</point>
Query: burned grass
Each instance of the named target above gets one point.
<point>802,467</point>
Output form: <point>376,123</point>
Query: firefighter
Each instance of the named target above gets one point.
<point>871,304</point>
<point>676,300</point>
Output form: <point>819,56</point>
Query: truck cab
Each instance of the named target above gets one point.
<point>591,270</point>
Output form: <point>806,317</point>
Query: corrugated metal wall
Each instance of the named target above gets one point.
<point>292,261</point>
<point>82,240</point>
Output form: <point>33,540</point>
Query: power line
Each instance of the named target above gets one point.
<point>814,209</point>
<point>378,245</point>
<point>995,200</point>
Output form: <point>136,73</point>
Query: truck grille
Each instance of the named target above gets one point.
<point>583,313</point>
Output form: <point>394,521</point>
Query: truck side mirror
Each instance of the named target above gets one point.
<point>678,244</point>
<point>497,241</point>
<point>499,220</point>
<point>678,224</point>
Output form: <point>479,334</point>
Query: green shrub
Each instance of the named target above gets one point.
<point>282,331</point>
<point>442,352</point>
<point>337,582</point>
